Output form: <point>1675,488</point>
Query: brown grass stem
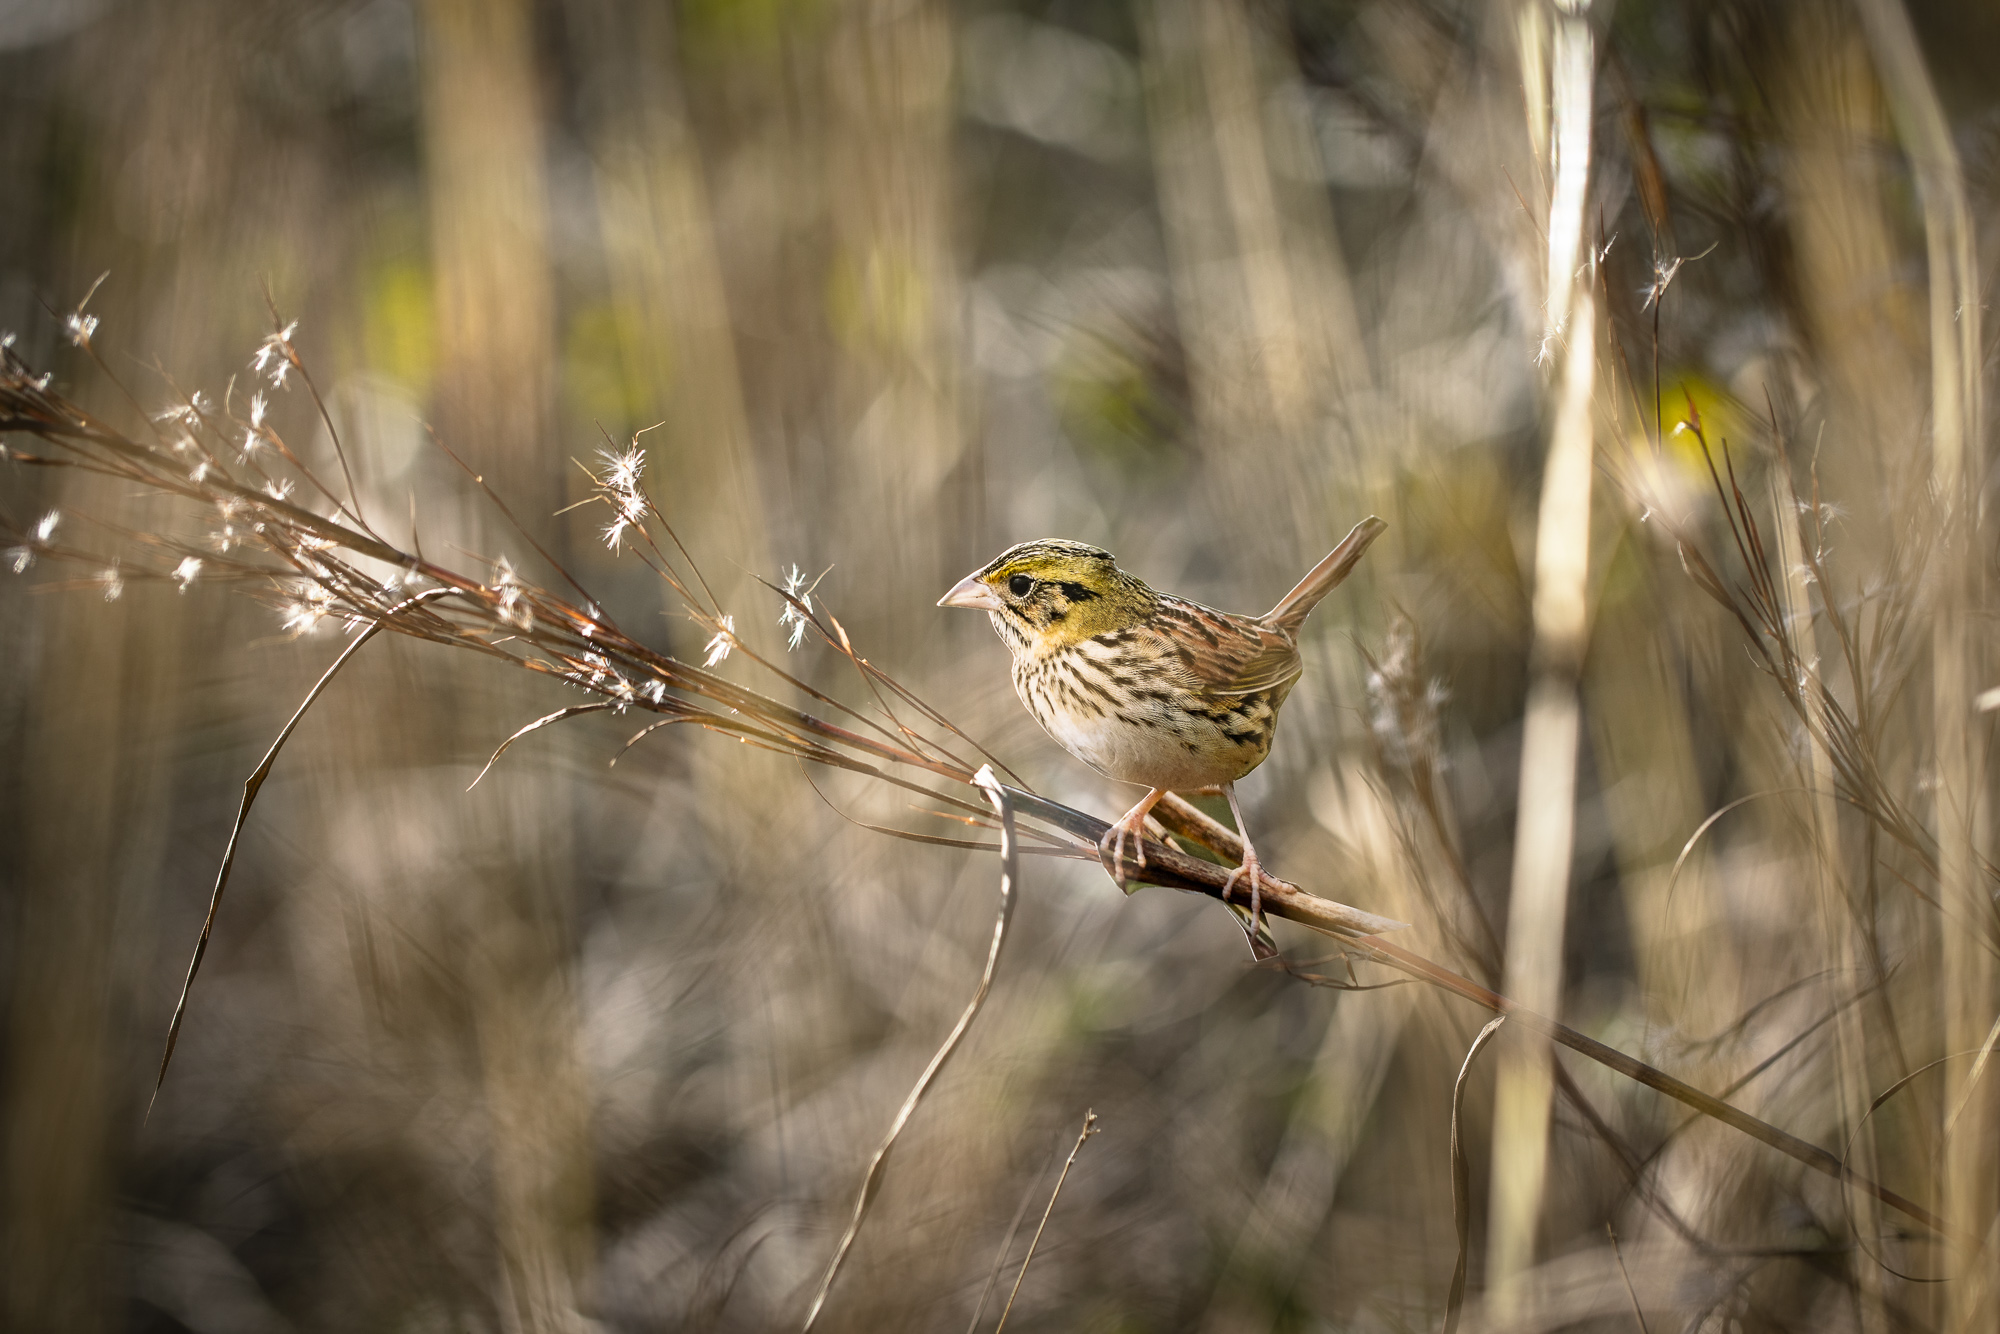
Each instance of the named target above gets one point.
<point>1461,1178</point>
<point>251,787</point>
<point>1010,870</point>
<point>558,716</point>
<point>1618,1254</point>
<point>1659,1080</point>
<point>1000,1256</point>
<point>1089,1129</point>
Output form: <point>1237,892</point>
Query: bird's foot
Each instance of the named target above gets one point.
<point>1261,946</point>
<point>1130,827</point>
<point>1253,925</point>
<point>1111,848</point>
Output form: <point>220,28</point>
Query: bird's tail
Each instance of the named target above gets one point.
<point>1295,606</point>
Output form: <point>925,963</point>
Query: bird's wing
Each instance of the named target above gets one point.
<point>1272,666</point>
<point>1228,655</point>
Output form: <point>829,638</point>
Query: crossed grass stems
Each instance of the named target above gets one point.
<point>284,535</point>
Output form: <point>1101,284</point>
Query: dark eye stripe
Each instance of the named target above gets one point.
<point>1076,592</point>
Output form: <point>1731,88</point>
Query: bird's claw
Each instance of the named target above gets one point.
<point>1111,849</point>
<point>1254,924</point>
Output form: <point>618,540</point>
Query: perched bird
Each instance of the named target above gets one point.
<point>1145,687</point>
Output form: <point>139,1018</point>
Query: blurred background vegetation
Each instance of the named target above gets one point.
<point>899,283</point>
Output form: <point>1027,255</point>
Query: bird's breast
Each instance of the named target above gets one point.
<point>1134,721</point>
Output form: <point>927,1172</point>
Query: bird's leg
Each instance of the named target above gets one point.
<point>1250,868</point>
<point>1131,825</point>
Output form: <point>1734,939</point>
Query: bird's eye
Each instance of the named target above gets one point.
<point>1020,585</point>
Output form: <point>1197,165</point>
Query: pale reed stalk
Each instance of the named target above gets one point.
<point>1546,821</point>
<point>1966,981</point>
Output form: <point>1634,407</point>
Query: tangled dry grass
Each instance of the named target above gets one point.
<point>334,567</point>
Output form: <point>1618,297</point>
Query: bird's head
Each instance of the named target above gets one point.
<point>1053,592</point>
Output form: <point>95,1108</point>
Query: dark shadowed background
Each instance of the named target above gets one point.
<point>896,283</point>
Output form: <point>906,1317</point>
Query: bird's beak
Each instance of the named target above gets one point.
<point>971,592</point>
